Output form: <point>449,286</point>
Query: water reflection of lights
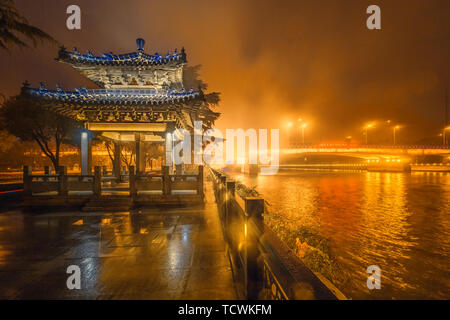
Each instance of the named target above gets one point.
<point>3,254</point>
<point>304,202</point>
<point>106,221</point>
<point>78,222</point>
<point>399,220</point>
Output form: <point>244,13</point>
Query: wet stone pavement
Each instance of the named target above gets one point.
<point>150,253</point>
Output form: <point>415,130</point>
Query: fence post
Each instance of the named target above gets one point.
<point>223,185</point>
<point>124,173</point>
<point>62,186</point>
<point>231,187</point>
<point>47,172</point>
<point>133,191</point>
<point>200,181</point>
<point>230,194</point>
<point>97,181</point>
<point>104,171</point>
<point>27,172</point>
<point>166,181</point>
<point>254,208</point>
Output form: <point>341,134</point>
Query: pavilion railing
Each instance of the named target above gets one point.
<point>264,267</point>
<point>166,183</point>
<point>63,184</point>
<point>60,183</point>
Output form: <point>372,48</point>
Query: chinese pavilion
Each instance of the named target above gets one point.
<point>141,97</point>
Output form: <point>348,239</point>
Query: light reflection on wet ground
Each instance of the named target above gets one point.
<point>398,221</point>
<point>144,254</point>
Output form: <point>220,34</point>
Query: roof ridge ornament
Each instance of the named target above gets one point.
<point>140,44</point>
<point>183,54</point>
<point>25,87</point>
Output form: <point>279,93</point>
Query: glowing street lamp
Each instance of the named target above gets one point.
<point>303,126</point>
<point>289,126</point>
<point>395,129</point>
<point>444,135</point>
<point>300,120</point>
<point>367,127</point>
<point>348,139</point>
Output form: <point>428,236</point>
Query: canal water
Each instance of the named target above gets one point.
<point>351,220</point>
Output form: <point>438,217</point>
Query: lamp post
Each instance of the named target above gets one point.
<point>444,135</point>
<point>289,125</point>
<point>303,133</point>
<point>443,138</point>
<point>395,129</point>
<point>367,127</point>
<point>299,120</point>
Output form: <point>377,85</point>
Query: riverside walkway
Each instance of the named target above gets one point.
<point>151,253</point>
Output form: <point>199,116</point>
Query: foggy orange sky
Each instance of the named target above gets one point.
<point>272,61</point>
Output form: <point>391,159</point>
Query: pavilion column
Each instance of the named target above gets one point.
<point>117,160</point>
<point>90,167</point>
<point>140,154</point>
<point>86,153</point>
<point>169,151</point>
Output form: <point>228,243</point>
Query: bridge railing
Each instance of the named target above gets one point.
<point>369,146</point>
<point>265,268</point>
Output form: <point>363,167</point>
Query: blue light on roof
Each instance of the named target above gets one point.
<point>139,57</point>
<point>114,96</point>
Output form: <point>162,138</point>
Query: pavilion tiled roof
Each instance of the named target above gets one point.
<point>137,58</point>
<point>115,96</point>
<point>134,87</point>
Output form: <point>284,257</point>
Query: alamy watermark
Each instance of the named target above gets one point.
<point>374,280</point>
<point>235,147</point>
<point>74,280</point>
<point>374,20</point>
<point>73,21</point>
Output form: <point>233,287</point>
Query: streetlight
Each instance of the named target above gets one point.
<point>395,129</point>
<point>289,125</point>
<point>367,127</point>
<point>444,135</point>
<point>443,138</point>
<point>303,132</point>
<point>300,120</point>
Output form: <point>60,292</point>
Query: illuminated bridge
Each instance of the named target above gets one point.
<point>371,152</point>
<point>376,158</point>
